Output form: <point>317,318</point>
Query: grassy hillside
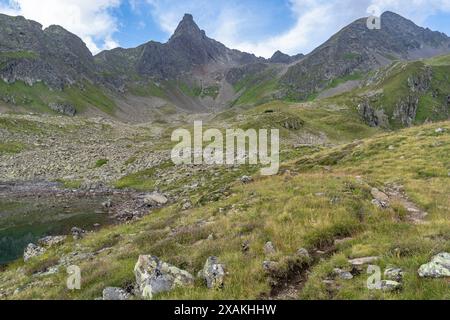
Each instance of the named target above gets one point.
<point>38,97</point>
<point>316,199</point>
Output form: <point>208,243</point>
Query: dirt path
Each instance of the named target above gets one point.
<point>415,214</point>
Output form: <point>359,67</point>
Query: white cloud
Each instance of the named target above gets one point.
<point>315,20</point>
<point>91,20</point>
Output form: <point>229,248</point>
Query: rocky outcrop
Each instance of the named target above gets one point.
<point>32,251</point>
<point>373,117</point>
<point>406,110</point>
<point>63,108</point>
<point>52,241</point>
<point>213,273</point>
<point>154,276</point>
<point>438,267</point>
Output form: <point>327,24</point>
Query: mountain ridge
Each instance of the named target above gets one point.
<point>192,72</point>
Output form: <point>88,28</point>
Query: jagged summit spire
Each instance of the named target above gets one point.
<point>187,27</point>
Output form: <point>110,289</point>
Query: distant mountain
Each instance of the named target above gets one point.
<point>280,57</point>
<point>187,50</point>
<point>30,54</point>
<point>356,49</point>
<point>52,69</point>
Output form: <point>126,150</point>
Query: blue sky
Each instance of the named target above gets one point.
<point>257,26</point>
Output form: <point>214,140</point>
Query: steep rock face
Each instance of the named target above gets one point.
<point>373,117</point>
<point>53,56</point>
<point>356,49</point>
<point>187,49</point>
<point>406,93</point>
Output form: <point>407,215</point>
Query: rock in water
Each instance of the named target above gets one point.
<point>115,294</point>
<point>213,273</point>
<point>32,251</point>
<point>439,267</point>
<point>154,276</point>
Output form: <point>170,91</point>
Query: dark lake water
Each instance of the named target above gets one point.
<point>23,221</point>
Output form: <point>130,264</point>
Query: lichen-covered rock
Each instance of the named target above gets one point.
<point>51,241</point>
<point>439,267</point>
<point>213,273</point>
<point>155,198</point>
<point>269,249</point>
<point>32,251</point>
<point>154,276</point>
<point>394,274</point>
<point>389,286</point>
<point>115,294</point>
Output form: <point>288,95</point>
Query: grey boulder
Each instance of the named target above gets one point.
<point>154,276</point>
<point>115,294</point>
<point>213,273</point>
<point>438,267</point>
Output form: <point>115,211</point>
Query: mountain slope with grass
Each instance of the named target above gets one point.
<point>356,49</point>
<point>324,200</point>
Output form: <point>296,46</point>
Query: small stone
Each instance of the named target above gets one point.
<point>155,198</point>
<point>302,252</point>
<point>269,249</point>
<point>246,246</point>
<point>439,267</point>
<point>269,266</point>
<point>391,148</point>
<point>107,204</point>
<point>246,179</point>
<point>342,274</point>
<point>363,261</point>
<point>379,196</point>
<point>115,294</point>
<point>186,206</point>
<point>32,251</point>
<point>394,274</point>
<point>213,273</point>
<point>439,130</point>
<point>389,286</point>
<point>78,233</point>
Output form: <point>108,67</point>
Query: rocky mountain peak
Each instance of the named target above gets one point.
<point>187,28</point>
